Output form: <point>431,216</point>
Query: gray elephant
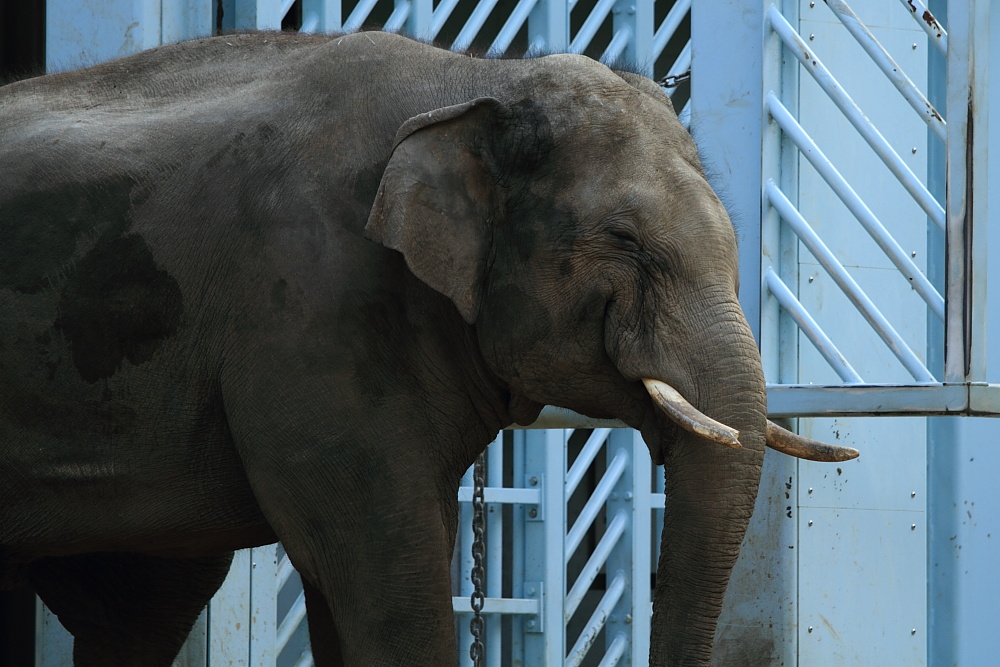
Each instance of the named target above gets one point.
<point>272,286</point>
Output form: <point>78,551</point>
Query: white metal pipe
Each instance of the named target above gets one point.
<point>359,15</point>
<point>846,283</point>
<point>475,23</point>
<point>285,570</point>
<point>441,15</point>
<point>590,27</point>
<point>811,328</point>
<point>597,621</point>
<point>855,204</point>
<point>595,503</point>
<point>608,541</point>
<point>930,24</point>
<point>615,652</point>
<point>397,19</point>
<point>310,22</point>
<point>509,30</point>
<point>290,623</point>
<point>669,26</point>
<point>885,62</point>
<point>617,45</point>
<point>305,658</point>
<point>878,143</point>
<point>586,456</point>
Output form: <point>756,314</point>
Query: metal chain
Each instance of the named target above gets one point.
<point>674,80</point>
<point>478,624</point>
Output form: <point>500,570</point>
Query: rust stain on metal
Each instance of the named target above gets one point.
<point>913,7</point>
<point>932,22</point>
<point>934,113</point>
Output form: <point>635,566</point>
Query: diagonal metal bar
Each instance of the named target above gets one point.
<point>893,72</point>
<point>441,14</point>
<point>597,621</point>
<point>850,287</point>
<point>617,45</point>
<point>811,328</point>
<point>615,652</point>
<point>289,624</point>
<point>930,24</point>
<point>359,15</point>
<point>669,26</point>
<point>509,30</point>
<point>855,204</point>
<point>590,27</point>
<point>473,25</point>
<point>855,115</point>
<point>596,501</point>
<point>397,19</point>
<point>586,456</point>
<point>608,541</point>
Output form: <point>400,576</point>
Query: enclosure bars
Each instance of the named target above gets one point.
<point>542,487</point>
<point>962,387</point>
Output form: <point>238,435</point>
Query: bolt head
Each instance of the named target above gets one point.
<point>533,513</point>
<point>533,481</point>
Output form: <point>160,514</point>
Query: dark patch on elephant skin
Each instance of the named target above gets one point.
<point>522,141</point>
<point>279,293</point>
<point>39,231</point>
<point>117,305</point>
<point>366,183</point>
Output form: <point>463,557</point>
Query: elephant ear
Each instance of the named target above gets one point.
<point>436,199</point>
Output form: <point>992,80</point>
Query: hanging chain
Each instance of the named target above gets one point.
<point>478,624</point>
<point>674,80</point>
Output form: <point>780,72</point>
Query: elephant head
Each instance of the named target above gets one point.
<point>572,225</point>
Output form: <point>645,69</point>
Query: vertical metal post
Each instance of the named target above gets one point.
<point>79,33</point>
<point>186,19</point>
<point>517,565</point>
<point>494,551</point>
<point>963,502</point>
<point>263,620</point>
<point>257,15</point>
<point>229,615</point>
<point>321,16</point>
<point>638,19</point>
<point>544,544</point>
<point>631,616</point>
<point>418,21</point>
<point>965,234</point>
<point>726,122</point>
<point>548,27</point>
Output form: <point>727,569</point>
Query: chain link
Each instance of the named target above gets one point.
<point>674,80</point>
<point>478,623</point>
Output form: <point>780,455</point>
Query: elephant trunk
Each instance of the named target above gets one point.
<point>710,495</point>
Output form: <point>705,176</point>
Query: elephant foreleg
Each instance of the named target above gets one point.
<point>127,609</point>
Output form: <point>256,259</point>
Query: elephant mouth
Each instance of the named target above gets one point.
<point>678,410</point>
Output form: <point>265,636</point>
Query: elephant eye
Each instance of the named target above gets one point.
<point>624,238</point>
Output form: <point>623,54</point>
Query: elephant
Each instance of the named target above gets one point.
<point>287,287</point>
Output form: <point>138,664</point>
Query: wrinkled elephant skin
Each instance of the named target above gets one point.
<point>288,287</point>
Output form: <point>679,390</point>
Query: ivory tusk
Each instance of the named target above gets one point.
<point>688,417</point>
<point>795,445</point>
